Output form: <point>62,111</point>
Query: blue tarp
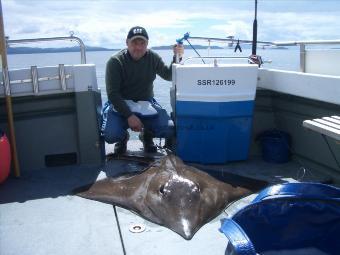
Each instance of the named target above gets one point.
<point>288,216</point>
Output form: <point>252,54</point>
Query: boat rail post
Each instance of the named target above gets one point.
<point>209,48</point>
<point>8,99</point>
<point>302,57</point>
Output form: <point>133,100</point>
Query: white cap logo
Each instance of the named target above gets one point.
<point>137,31</point>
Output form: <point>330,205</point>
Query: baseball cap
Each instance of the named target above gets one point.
<point>138,32</point>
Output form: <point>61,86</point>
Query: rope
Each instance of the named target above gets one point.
<point>195,51</point>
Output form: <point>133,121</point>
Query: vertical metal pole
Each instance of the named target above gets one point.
<point>35,81</point>
<point>253,48</point>
<point>3,52</point>
<point>62,76</point>
<point>302,58</point>
<point>209,48</point>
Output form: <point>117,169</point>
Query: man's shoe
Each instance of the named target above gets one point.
<point>121,147</point>
<point>147,141</point>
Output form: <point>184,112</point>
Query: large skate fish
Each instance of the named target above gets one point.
<point>170,193</point>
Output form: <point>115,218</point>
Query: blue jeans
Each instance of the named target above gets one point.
<point>114,125</point>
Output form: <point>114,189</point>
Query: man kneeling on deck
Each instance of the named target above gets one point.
<point>129,84</point>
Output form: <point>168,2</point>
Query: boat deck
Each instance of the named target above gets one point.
<point>39,214</point>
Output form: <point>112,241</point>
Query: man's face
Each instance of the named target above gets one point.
<point>137,48</point>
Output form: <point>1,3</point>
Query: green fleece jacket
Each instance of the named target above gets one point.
<point>127,79</point>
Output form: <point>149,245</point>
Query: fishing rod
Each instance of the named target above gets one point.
<point>186,37</point>
<point>254,58</point>
<point>253,51</point>
<point>231,39</point>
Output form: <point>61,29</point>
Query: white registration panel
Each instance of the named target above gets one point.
<point>208,83</point>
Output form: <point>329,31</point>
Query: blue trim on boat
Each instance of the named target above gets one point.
<point>214,109</point>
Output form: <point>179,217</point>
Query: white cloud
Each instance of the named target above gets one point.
<point>106,23</point>
<point>239,29</point>
<point>302,26</point>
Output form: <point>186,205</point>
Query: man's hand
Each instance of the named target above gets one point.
<point>178,49</point>
<point>134,123</point>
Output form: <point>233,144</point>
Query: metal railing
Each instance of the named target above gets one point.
<point>214,58</point>
<point>34,79</point>
<point>69,38</point>
<point>301,44</point>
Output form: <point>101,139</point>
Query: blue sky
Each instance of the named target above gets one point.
<point>106,23</point>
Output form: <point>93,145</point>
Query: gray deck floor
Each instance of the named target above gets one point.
<point>39,214</point>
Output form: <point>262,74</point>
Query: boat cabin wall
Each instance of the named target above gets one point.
<point>55,124</point>
<point>280,104</point>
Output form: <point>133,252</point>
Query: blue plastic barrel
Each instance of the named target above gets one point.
<point>275,146</point>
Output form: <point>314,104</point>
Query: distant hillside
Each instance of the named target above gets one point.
<point>30,50</point>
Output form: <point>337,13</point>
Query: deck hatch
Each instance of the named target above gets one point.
<point>63,159</point>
